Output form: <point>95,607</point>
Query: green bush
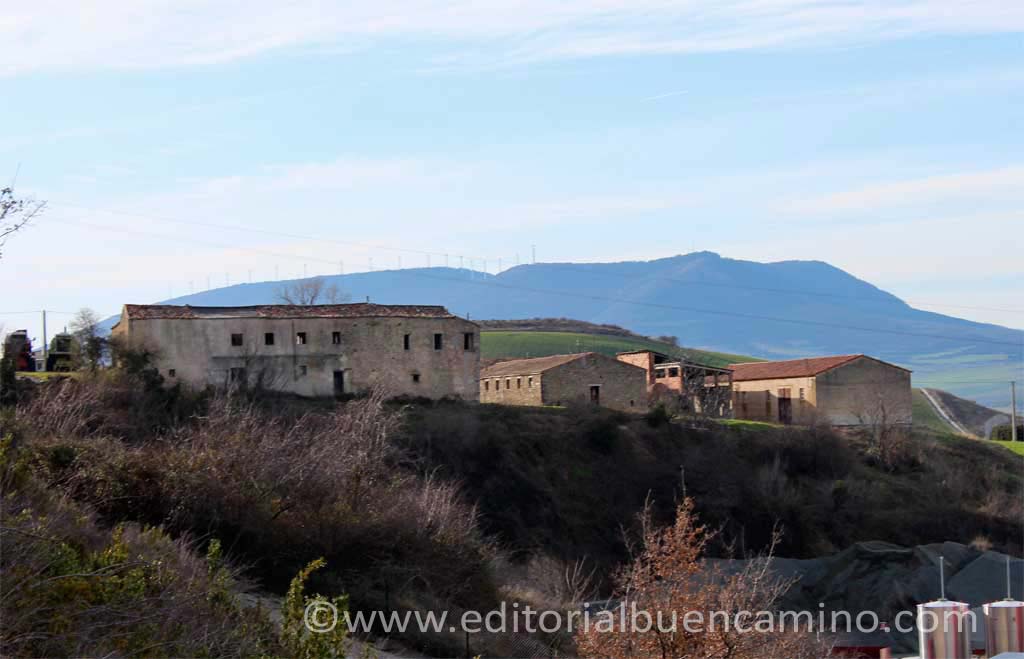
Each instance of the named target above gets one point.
<point>1003,433</point>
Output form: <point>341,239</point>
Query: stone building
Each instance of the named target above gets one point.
<point>842,390</point>
<point>695,387</point>
<point>587,377</point>
<point>316,350</point>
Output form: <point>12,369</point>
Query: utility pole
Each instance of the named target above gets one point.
<point>46,344</point>
<point>1013,409</point>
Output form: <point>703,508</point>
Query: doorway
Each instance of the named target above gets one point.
<point>595,394</point>
<point>339,383</point>
<point>785,407</point>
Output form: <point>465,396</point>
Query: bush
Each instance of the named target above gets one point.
<point>1003,433</point>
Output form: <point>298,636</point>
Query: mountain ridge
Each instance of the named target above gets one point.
<point>778,310</point>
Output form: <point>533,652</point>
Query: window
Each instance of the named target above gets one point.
<point>801,393</point>
<point>438,341</point>
<point>236,339</point>
<point>519,383</point>
<point>508,383</point>
<point>529,382</point>
<point>467,341</point>
<point>673,372</point>
<point>405,341</point>
<point>487,385</point>
<point>171,372</point>
<point>268,339</point>
<point>659,373</point>
<point>236,375</point>
<point>336,338</point>
<point>631,403</point>
<point>415,377</point>
<point>303,369</point>
<point>300,338</point>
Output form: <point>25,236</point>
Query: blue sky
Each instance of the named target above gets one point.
<point>883,137</point>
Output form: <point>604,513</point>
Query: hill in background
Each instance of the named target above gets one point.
<point>772,310</point>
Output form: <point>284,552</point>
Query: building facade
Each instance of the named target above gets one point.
<point>694,387</point>
<point>316,350</point>
<point>842,390</point>
<point>587,377</point>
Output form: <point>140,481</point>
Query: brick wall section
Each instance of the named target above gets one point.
<point>622,386</point>
<point>644,360</point>
<point>370,353</point>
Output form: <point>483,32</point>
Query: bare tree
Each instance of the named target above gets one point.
<point>670,582</point>
<point>15,213</point>
<point>315,290</point>
<point>881,425</point>
<point>92,346</point>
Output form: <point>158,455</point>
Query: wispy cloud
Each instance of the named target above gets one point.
<point>666,95</point>
<point>1005,181</point>
<point>54,35</point>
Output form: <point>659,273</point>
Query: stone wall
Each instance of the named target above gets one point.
<point>622,386</point>
<point>367,352</point>
<point>865,391</point>
<point>524,389</point>
<point>758,400</point>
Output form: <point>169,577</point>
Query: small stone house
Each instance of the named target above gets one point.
<point>315,350</point>
<point>841,390</point>
<point>587,377</point>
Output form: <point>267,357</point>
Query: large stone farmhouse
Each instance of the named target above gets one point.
<point>843,390</point>
<point>317,350</point>
<point>587,377</point>
<point>696,387</point>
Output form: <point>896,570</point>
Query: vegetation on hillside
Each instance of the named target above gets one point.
<point>505,344</point>
<point>422,506</point>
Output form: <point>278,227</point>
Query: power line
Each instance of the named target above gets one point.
<point>590,269</point>
<point>656,305</point>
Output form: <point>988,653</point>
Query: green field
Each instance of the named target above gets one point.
<point>499,344</point>
<point>925,415</point>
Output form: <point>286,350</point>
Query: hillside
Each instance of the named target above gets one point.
<point>500,344</point>
<point>976,418</point>
<point>773,310</point>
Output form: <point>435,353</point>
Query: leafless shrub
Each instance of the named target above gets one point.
<point>315,290</point>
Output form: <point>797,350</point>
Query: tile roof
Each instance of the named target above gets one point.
<point>532,365</point>
<point>359,310</point>
<point>791,368</point>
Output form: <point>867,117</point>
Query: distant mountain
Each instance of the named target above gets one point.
<point>773,310</point>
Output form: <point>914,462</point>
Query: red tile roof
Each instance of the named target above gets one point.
<point>532,365</point>
<point>359,310</point>
<point>791,368</point>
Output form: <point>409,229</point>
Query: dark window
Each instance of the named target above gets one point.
<point>487,385</point>
<point>268,339</point>
<point>508,383</point>
<point>801,393</point>
<point>339,383</point>
<point>529,382</point>
<point>336,338</point>
<point>631,403</point>
<point>171,372</point>
<point>236,339</point>
<point>467,341</point>
<point>673,372</point>
<point>659,373</point>
<point>519,383</point>
<point>415,377</point>
<point>300,338</point>
<point>595,394</point>
<point>405,341</point>
<point>237,375</point>
<point>303,369</point>
<point>438,341</point>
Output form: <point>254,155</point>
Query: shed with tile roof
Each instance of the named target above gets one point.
<point>840,390</point>
<point>587,377</point>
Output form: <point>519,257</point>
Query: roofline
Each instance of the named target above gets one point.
<point>246,307</point>
<point>574,357</point>
<point>816,373</point>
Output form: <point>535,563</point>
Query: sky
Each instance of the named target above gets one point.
<point>187,144</point>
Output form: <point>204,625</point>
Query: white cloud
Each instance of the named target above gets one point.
<point>55,35</point>
<point>1006,181</point>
